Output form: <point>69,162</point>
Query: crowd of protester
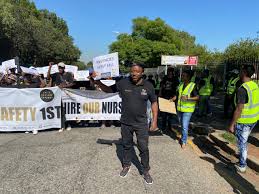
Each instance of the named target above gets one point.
<point>190,93</point>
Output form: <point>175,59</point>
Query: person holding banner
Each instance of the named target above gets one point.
<point>187,98</point>
<point>135,93</point>
<point>61,79</point>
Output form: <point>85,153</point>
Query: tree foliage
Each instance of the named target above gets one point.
<point>244,49</point>
<point>36,36</point>
<point>150,39</point>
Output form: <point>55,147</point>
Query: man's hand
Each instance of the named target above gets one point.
<point>50,64</point>
<point>231,128</point>
<point>184,97</point>
<point>173,99</point>
<point>153,126</point>
<point>93,74</point>
<point>62,85</point>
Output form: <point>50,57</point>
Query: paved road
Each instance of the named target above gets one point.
<point>86,160</point>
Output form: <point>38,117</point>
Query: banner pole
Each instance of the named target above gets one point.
<point>17,63</point>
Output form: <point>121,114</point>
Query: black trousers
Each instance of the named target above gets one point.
<point>229,105</point>
<point>166,120</point>
<point>142,144</point>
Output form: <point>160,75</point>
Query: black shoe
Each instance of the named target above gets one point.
<point>124,171</point>
<point>148,179</point>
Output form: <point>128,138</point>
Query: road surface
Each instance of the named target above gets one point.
<point>87,160</point>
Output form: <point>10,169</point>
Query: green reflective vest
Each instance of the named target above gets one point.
<point>186,105</point>
<point>250,112</point>
<point>207,89</point>
<point>232,85</point>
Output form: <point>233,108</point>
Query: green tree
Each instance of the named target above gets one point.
<point>81,65</point>
<point>36,36</point>
<point>150,39</point>
<point>244,49</point>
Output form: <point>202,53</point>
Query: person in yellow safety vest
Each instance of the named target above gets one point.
<point>233,83</point>
<point>246,113</point>
<point>206,87</point>
<point>187,98</point>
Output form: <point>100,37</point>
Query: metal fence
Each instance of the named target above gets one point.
<point>237,64</point>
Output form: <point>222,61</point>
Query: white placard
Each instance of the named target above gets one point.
<point>108,82</point>
<point>71,68</point>
<point>44,70</point>
<point>2,70</point>
<point>106,65</point>
<point>9,64</point>
<point>54,69</point>
<point>82,75</point>
<point>29,70</point>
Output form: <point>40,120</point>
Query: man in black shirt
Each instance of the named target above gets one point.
<point>246,113</point>
<point>135,92</point>
<point>168,87</point>
<point>62,78</point>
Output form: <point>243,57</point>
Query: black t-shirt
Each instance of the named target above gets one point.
<point>169,87</point>
<point>242,97</point>
<point>152,82</point>
<point>58,78</point>
<point>134,101</point>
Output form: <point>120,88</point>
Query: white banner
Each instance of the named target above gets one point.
<point>179,60</point>
<point>91,105</point>
<point>174,60</point>
<point>30,108</point>
<point>106,66</point>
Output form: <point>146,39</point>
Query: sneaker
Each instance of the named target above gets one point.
<point>35,132</point>
<point>102,126</point>
<point>124,171</point>
<point>240,169</point>
<point>68,128</point>
<point>61,130</point>
<point>26,132</point>
<point>113,126</point>
<point>183,146</point>
<point>148,179</point>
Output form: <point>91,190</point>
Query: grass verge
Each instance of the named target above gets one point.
<point>231,138</point>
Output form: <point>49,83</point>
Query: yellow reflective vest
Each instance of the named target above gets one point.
<point>250,112</point>
<point>232,85</point>
<point>207,89</point>
<point>186,105</point>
